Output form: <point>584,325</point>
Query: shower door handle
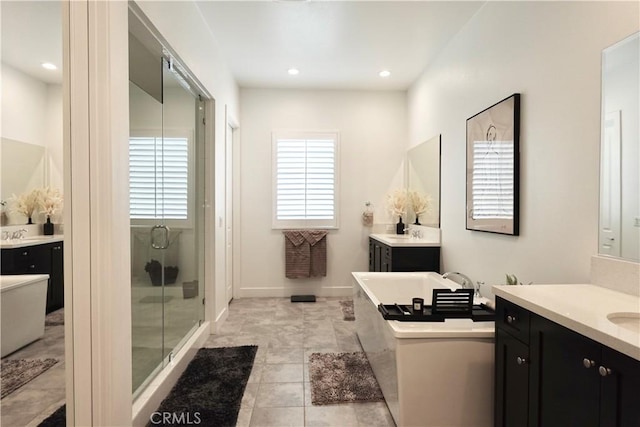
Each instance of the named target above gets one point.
<point>164,241</point>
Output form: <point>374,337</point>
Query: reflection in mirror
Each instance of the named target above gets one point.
<point>619,228</point>
<point>423,176</point>
<point>23,169</point>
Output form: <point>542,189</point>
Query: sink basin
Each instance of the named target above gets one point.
<point>626,320</point>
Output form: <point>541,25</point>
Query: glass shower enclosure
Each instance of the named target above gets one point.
<point>166,170</point>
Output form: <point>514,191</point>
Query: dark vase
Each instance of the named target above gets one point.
<point>47,228</point>
<point>29,221</point>
<point>400,226</point>
<point>417,220</point>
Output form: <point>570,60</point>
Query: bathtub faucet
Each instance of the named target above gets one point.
<point>466,281</point>
<point>18,234</point>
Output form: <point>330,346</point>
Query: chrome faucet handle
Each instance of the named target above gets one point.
<point>476,293</point>
<point>5,235</point>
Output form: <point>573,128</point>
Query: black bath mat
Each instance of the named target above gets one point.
<point>57,419</point>
<point>210,390</point>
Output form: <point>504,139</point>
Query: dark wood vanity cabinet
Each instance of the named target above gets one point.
<point>387,258</point>
<point>46,258</point>
<point>549,375</point>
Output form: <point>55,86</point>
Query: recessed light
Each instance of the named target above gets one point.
<point>49,66</point>
<point>384,73</point>
<point>293,71</point>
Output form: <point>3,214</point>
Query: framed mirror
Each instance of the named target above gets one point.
<point>423,178</point>
<point>493,152</point>
<point>619,219</point>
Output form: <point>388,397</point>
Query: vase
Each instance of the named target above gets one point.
<point>29,221</point>
<point>400,226</point>
<point>47,228</point>
<point>417,220</point>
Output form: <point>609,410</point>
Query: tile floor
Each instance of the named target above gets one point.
<point>279,392</point>
<point>37,399</point>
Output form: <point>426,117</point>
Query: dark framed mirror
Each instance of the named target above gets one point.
<point>493,168</point>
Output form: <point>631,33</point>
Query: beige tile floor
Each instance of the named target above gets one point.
<point>286,333</point>
<point>278,392</point>
<point>34,401</point>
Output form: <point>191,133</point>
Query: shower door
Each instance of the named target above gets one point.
<point>166,191</point>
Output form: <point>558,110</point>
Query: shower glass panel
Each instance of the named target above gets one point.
<point>166,200</point>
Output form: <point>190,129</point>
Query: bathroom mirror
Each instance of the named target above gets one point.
<point>423,176</point>
<point>619,224</point>
<point>23,167</point>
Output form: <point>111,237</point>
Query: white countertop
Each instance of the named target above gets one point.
<point>30,241</point>
<point>404,240</point>
<point>581,308</point>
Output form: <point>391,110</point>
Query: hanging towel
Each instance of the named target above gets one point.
<point>305,253</point>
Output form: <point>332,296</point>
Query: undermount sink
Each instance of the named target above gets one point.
<point>626,320</point>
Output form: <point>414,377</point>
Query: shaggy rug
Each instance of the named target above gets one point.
<point>210,390</point>
<point>57,419</point>
<point>347,310</point>
<point>55,318</point>
<point>156,299</point>
<point>342,378</point>
<point>17,372</point>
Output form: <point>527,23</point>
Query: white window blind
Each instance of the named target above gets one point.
<point>493,179</point>
<point>159,178</point>
<point>305,180</point>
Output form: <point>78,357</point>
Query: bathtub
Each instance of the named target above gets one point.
<point>23,302</point>
<point>430,373</point>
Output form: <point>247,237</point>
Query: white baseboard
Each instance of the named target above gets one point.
<point>220,319</point>
<point>277,292</point>
<point>150,399</point>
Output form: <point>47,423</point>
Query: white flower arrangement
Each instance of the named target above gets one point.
<point>26,203</point>
<point>420,203</point>
<point>397,202</point>
<point>50,200</point>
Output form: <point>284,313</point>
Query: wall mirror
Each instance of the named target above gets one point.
<point>493,151</point>
<point>23,167</point>
<point>423,176</point>
<point>619,225</point>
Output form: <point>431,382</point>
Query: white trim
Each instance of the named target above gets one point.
<point>209,213</point>
<point>279,291</point>
<point>96,216</point>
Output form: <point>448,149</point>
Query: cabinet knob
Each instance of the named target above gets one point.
<point>588,363</point>
<point>521,360</point>
<point>25,253</point>
<point>604,371</point>
<point>32,266</point>
<point>511,319</point>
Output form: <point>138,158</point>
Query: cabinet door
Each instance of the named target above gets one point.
<point>56,278</point>
<point>512,381</point>
<point>377,257</point>
<point>371,255</point>
<point>565,384</point>
<point>620,406</point>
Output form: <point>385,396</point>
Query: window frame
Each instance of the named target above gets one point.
<point>325,224</point>
<point>189,222</point>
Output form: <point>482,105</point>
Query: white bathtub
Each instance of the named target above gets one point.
<point>23,302</point>
<point>431,373</point>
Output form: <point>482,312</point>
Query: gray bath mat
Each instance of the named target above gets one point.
<point>55,318</point>
<point>156,299</point>
<point>17,372</point>
<point>342,378</point>
<point>347,310</point>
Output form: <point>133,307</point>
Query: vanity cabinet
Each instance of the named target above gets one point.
<point>387,258</point>
<point>46,258</point>
<point>549,375</point>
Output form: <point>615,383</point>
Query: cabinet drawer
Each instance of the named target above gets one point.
<point>513,319</point>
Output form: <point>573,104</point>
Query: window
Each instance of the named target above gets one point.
<point>305,179</point>
<point>493,186</point>
<point>159,178</point>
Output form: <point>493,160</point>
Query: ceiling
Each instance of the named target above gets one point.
<point>334,44</point>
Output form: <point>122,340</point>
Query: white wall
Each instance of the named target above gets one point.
<point>32,113</point>
<point>550,53</point>
<point>200,53</point>
<point>373,138</point>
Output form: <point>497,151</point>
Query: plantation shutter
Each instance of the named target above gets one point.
<point>493,179</point>
<point>305,178</point>
<point>159,178</point>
